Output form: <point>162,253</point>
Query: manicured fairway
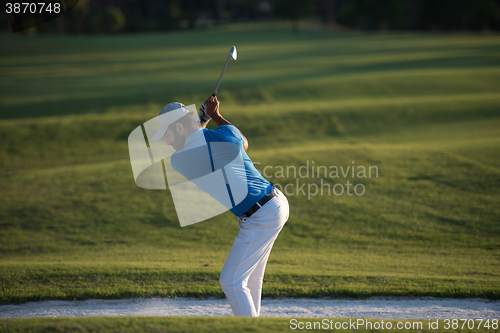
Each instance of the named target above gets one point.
<point>423,110</point>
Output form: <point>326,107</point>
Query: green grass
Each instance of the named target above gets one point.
<point>218,324</point>
<point>423,108</point>
<point>83,281</point>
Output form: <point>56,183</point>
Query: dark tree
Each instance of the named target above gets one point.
<point>293,10</point>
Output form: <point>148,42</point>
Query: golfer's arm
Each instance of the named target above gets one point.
<point>203,124</point>
<point>220,120</point>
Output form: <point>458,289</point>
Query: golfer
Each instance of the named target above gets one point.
<point>261,214</point>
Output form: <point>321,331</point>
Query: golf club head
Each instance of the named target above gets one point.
<point>233,53</point>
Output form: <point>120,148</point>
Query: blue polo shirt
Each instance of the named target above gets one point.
<point>206,151</point>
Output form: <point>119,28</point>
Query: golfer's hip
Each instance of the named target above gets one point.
<point>274,211</point>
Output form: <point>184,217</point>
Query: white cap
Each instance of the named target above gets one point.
<point>168,115</point>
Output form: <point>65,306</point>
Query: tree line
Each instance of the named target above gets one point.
<point>115,16</point>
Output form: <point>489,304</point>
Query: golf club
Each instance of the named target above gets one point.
<point>232,54</point>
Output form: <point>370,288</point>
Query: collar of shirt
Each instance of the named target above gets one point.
<point>195,139</point>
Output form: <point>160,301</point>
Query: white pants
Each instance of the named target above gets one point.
<point>242,274</point>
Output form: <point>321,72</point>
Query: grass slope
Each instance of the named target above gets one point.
<point>422,108</point>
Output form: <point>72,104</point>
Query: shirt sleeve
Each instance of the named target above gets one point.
<point>229,133</point>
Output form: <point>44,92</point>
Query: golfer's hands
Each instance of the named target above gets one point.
<point>203,116</point>
<point>213,111</point>
<point>212,105</point>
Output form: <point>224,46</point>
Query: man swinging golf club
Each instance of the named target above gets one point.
<point>262,213</point>
<point>262,209</point>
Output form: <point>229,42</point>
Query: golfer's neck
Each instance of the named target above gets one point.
<point>191,131</point>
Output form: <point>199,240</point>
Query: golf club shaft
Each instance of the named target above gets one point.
<point>221,75</point>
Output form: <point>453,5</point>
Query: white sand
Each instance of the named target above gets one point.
<point>375,307</point>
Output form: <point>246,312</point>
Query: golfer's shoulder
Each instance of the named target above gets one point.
<point>186,159</point>
<point>225,132</point>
